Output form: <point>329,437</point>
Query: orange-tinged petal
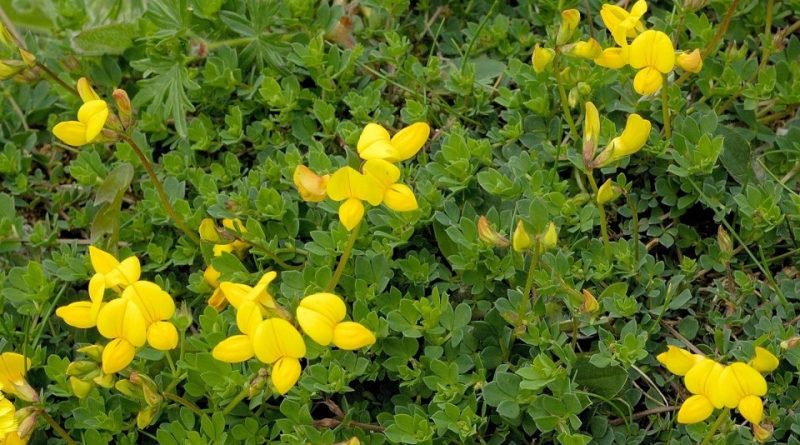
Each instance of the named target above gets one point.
<point>102,261</point>
<point>275,338</point>
<point>117,355</point>
<point>154,303</point>
<point>122,318</point>
<point>71,133</point>
<point>752,409</point>
<point>235,349</point>
<point>285,373</point>
<point>162,336</point>
<point>691,62</point>
<point>410,140</point>
<point>351,212</point>
<point>350,335</point>
<point>695,409</point>
<point>764,361</point>
<point>311,186</point>
<point>371,134</point>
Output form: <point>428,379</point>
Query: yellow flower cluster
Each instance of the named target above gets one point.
<point>651,52</point>
<point>141,313</point>
<point>14,429</point>
<point>267,333</point>
<point>376,183</point>
<point>713,385</point>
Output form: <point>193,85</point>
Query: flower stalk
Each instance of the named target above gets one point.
<point>602,211</point>
<point>348,250</point>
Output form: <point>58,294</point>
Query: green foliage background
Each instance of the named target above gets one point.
<point>232,95</point>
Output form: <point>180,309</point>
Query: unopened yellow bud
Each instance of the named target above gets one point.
<point>311,186</point>
<point>10,68</point>
<point>569,23</point>
<point>521,240</point>
<point>790,343</point>
<point>490,236</point>
<point>95,352</point>
<point>607,192</point>
<point>541,58</point>
<point>690,62</point>
<point>123,106</point>
<point>208,231</point>
<point>82,367</point>
<point>80,388</point>
<point>589,303</point>
<point>589,49</point>
<point>724,241</point>
<point>28,58</point>
<point>550,238</point>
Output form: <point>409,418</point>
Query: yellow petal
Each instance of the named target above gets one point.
<point>632,139</point>
<point>400,198</point>
<point>318,314</point>
<point>541,58</point>
<point>752,409</point>
<point>234,225</point>
<point>71,133</point>
<point>695,409</point>
<point>208,231</point>
<point>154,303</point>
<point>86,91</point>
<point>259,292</point>
<point>78,314</point>
<point>162,335</point>
<point>410,140</point>
<point>235,349</point>
<point>130,270</point>
<point>380,150</point>
<point>648,81</point>
<point>521,240</point>
<point>589,49</point>
<point>639,9</point>
<point>702,378</point>
<point>350,335</point>
<point>351,212</point>
<point>211,276</point>
<point>94,114</point>
<point>235,292</point>
<point>745,379</point>
<point>606,193</point>
<point>764,361</point>
<point>13,367</point>
<point>569,22</point>
<point>614,58</point>
<point>652,49</point>
<point>102,261</point>
<point>311,186</point>
<point>371,134</point>
<point>691,62</point>
<point>248,316</point>
<point>117,355</point>
<point>383,173</point>
<point>97,287</point>
<point>345,183</point>
<point>550,238</point>
<point>121,318</point>
<point>678,361</point>
<point>330,306</point>
<point>275,338</point>
<point>8,421</point>
<point>285,373</point>
<point>218,300</point>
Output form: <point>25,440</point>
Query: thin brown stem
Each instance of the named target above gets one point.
<point>645,413</point>
<point>191,406</point>
<point>333,423</point>
<point>162,194</point>
<point>57,427</point>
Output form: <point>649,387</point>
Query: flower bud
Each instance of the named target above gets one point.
<point>28,58</point>
<point>694,5</point>
<point>589,303</point>
<point>490,236</point>
<point>311,186</point>
<point>26,422</point>
<point>541,58</point>
<point>149,388</point>
<point>81,368</point>
<point>589,49</point>
<point>690,62</point>
<point>607,192</point>
<point>10,68</point>
<point>569,23</point>
<point>572,97</point>
<point>724,241</point>
<point>146,416</point>
<point>790,343</point>
<point>23,390</point>
<point>550,238</point>
<point>123,106</point>
<point>104,380</point>
<point>257,384</point>
<point>95,352</point>
<point>129,389</point>
<point>208,231</point>
<point>80,387</point>
<point>521,240</point>
<point>5,36</point>
<point>762,433</point>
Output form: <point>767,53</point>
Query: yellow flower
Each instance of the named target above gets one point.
<point>741,386</point>
<point>550,238</point>
<point>653,55</point>
<point>701,381</point>
<point>521,240</point>
<point>632,139</point>
<point>384,175</point>
<point>277,342</point>
<point>591,133</point>
<point>8,418</point>
<point>569,22</point>
<point>310,185</point>
<point>13,367</point>
<point>678,361</point>
<point>488,235</point>
<point>320,316</point>
<point>92,117</point>
<point>607,192</point>
<point>375,143</point>
<point>352,187</point>
<point>237,294</point>
<point>623,24</point>
<point>541,58</point>
<point>589,49</point>
<point>157,307</point>
<point>589,303</point>
<point>122,321</point>
<point>614,58</point>
<point>690,62</point>
<point>764,361</point>
<point>86,91</point>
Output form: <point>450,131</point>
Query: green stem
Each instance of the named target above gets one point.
<point>723,415</point>
<point>348,250</point>
<point>239,397</point>
<point>57,79</point>
<point>665,115</point>
<point>602,211</point>
<point>565,102</point>
<point>191,406</point>
<point>162,194</point>
<point>477,34</point>
<point>634,230</point>
<point>56,427</point>
<point>529,281</point>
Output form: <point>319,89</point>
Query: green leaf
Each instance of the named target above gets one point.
<point>103,40</point>
<point>166,95</point>
<point>605,382</point>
